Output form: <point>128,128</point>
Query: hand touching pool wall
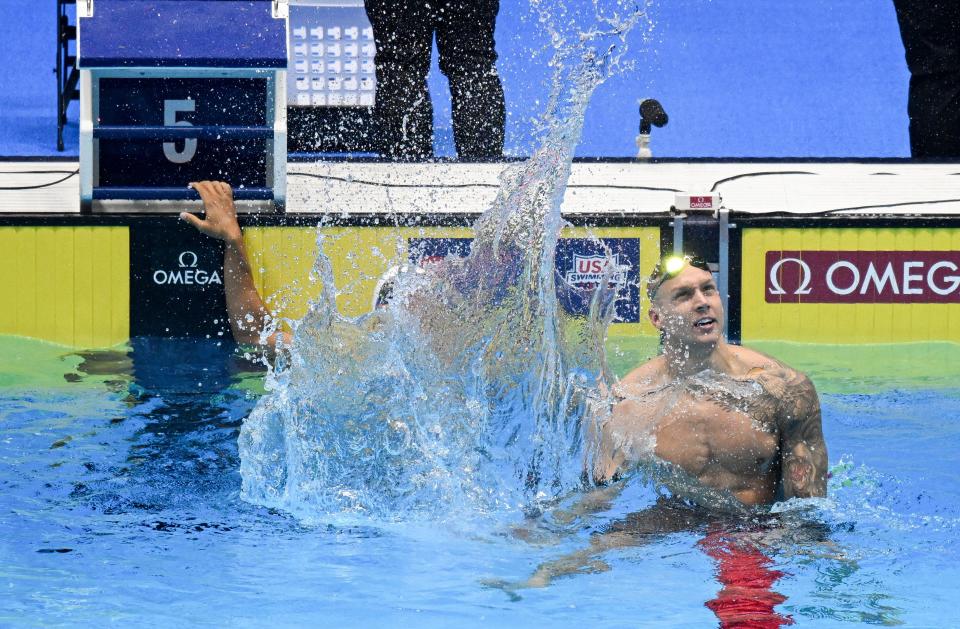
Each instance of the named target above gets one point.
<point>245,308</point>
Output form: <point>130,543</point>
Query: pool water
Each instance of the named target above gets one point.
<point>120,502</point>
<point>121,493</point>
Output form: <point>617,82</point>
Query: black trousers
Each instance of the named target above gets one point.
<point>403,31</point>
<point>931,37</point>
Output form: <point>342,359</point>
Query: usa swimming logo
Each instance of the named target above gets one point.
<point>581,265</point>
<point>589,270</point>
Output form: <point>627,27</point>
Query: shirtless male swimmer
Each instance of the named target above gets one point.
<point>733,418</point>
<point>736,421</point>
<point>740,424</point>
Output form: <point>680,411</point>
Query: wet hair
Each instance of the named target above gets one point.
<point>668,267</point>
<point>383,294</point>
<point>384,290</point>
<point>387,283</point>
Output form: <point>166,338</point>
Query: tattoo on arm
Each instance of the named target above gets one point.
<point>803,450</point>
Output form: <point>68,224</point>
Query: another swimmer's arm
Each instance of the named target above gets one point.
<point>600,465</point>
<point>245,308</point>
<point>804,451</point>
<point>604,456</point>
<point>593,501</point>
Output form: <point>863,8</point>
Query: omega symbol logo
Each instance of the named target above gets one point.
<point>188,255</point>
<point>777,289</point>
<point>188,274</point>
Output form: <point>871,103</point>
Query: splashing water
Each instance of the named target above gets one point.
<point>463,395</point>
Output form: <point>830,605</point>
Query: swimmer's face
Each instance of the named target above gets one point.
<point>687,308</point>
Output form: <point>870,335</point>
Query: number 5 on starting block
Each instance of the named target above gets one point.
<point>171,108</point>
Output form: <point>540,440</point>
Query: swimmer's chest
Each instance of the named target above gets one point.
<point>697,434</point>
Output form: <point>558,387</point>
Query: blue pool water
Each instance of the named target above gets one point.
<point>162,485</point>
<point>120,502</point>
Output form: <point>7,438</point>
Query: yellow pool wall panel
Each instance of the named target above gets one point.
<point>282,259</point>
<point>840,322</point>
<point>71,285</point>
<point>68,285</point>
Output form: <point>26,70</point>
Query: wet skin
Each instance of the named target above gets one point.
<point>733,418</point>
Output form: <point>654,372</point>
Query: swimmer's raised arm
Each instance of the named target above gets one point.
<point>803,449</point>
<point>601,458</point>
<point>608,458</point>
<point>245,308</point>
<point>619,429</point>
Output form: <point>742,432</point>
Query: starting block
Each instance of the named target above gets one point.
<point>173,91</point>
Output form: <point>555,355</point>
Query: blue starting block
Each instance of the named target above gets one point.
<point>173,91</point>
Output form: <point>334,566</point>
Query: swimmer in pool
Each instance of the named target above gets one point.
<point>247,313</point>
<point>723,427</point>
<point>734,419</point>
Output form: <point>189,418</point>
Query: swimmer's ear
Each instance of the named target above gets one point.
<point>655,318</point>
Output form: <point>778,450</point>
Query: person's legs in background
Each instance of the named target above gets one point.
<point>467,57</point>
<point>931,37</point>
<point>403,114</point>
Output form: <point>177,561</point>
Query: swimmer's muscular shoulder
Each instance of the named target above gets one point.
<point>649,375</point>
<point>622,433</point>
<point>630,396</point>
<point>637,400</point>
<point>750,362</point>
<point>776,377</point>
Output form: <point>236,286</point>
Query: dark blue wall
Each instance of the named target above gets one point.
<point>739,78</point>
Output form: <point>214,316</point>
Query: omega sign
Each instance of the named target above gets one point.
<point>863,277</point>
<point>187,274</point>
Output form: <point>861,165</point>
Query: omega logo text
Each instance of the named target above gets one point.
<point>862,277</point>
<point>187,274</point>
